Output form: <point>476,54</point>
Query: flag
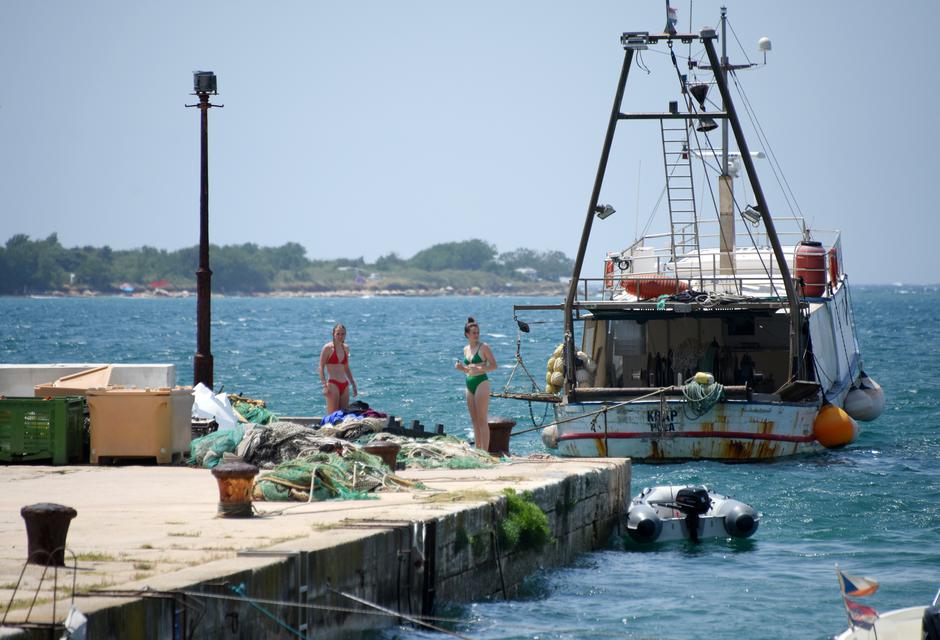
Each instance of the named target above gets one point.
<point>852,586</point>
<point>859,614</point>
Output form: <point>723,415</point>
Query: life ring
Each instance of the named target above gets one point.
<point>645,287</point>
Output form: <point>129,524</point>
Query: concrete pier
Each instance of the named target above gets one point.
<point>150,537</point>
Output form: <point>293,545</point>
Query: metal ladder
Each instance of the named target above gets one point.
<point>680,192</point>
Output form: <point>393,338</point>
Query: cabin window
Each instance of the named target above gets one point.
<point>737,349</point>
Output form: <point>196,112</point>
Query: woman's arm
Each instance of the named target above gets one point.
<point>349,375</point>
<point>489,360</point>
<point>459,366</point>
<point>323,359</point>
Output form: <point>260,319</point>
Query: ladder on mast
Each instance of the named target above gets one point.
<point>680,194</point>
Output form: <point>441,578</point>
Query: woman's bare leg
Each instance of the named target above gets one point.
<point>344,399</point>
<point>471,407</point>
<point>481,401</point>
<point>332,398</point>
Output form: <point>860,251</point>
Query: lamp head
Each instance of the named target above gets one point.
<point>706,124</point>
<point>699,92</point>
<point>205,82</point>
<point>752,214</point>
<point>604,211</point>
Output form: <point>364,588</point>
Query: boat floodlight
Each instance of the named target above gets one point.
<point>205,82</point>
<point>751,214</point>
<point>635,40</point>
<point>604,211</point>
<point>699,91</point>
<point>706,124</point>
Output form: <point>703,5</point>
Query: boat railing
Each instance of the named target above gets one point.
<point>752,271</point>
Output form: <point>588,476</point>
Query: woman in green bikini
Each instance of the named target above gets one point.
<point>477,360</point>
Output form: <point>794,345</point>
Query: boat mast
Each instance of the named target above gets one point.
<point>726,232</point>
<point>570,350</point>
<point>796,362</point>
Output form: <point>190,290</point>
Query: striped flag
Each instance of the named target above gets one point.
<point>859,614</point>
<point>852,586</point>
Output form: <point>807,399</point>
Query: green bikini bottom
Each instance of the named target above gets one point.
<point>475,381</point>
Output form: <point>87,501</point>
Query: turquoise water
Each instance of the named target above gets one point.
<point>873,507</point>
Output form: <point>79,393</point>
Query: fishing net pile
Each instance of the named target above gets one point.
<point>254,411</point>
<point>268,445</point>
<point>700,397</point>
<point>327,476</point>
<point>438,452</point>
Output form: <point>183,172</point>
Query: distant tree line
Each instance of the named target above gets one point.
<point>37,266</point>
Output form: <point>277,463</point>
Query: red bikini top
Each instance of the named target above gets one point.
<point>334,360</point>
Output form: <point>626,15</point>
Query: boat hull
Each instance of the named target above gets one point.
<point>663,431</point>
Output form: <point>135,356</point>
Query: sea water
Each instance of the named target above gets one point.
<point>873,507</point>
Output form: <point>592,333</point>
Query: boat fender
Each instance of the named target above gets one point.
<point>834,428</point>
<point>740,520</point>
<point>550,436</point>
<point>859,405</point>
<point>643,524</point>
<point>873,390</point>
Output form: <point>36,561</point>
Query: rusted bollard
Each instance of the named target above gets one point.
<point>388,451</point>
<point>47,526</point>
<point>500,430</point>
<point>235,479</point>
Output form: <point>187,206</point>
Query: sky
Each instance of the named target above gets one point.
<point>361,128</point>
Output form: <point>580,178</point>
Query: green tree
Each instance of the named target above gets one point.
<point>467,255</point>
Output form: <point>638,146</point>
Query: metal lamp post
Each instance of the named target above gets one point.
<point>204,85</point>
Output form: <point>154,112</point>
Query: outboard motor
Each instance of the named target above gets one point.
<point>740,520</point>
<point>643,524</point>
<point>693,502</point>
<point>931,623</point>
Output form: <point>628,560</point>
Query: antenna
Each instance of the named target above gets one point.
<point>764,45</point>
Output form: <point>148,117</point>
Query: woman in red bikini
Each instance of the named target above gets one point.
<point>335,375</point>
<point>478,359</point>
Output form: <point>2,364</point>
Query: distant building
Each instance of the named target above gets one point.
<point>527,272</point>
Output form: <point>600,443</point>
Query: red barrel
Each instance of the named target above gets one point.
<point>809,263</point>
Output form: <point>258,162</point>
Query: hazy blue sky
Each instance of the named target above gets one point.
<point>362,128</point>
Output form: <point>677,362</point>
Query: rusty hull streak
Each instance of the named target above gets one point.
<point>655,452</point>
<point>601,448</point>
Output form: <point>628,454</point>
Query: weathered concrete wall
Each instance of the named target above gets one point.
<point>407,566</point>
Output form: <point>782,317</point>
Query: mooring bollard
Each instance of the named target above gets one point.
<point>235,478</point>
<point>47,526</point>
<point>500,430</point>
<point>388,451</point>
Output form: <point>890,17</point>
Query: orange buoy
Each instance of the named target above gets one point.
<point>834,428</point>
<point>608,273</point>
<point>653,286</point>
<point>810,264</point>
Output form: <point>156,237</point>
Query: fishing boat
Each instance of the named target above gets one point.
<point>724,337</point>
<point>690,512</point>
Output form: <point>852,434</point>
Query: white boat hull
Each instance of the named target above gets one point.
<point>651,430</point>
<point>900,624</point>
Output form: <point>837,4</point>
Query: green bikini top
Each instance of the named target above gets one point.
<point>476,359</point>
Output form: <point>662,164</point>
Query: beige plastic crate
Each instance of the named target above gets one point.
<point>76,384</point>
<point>140,423</point>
